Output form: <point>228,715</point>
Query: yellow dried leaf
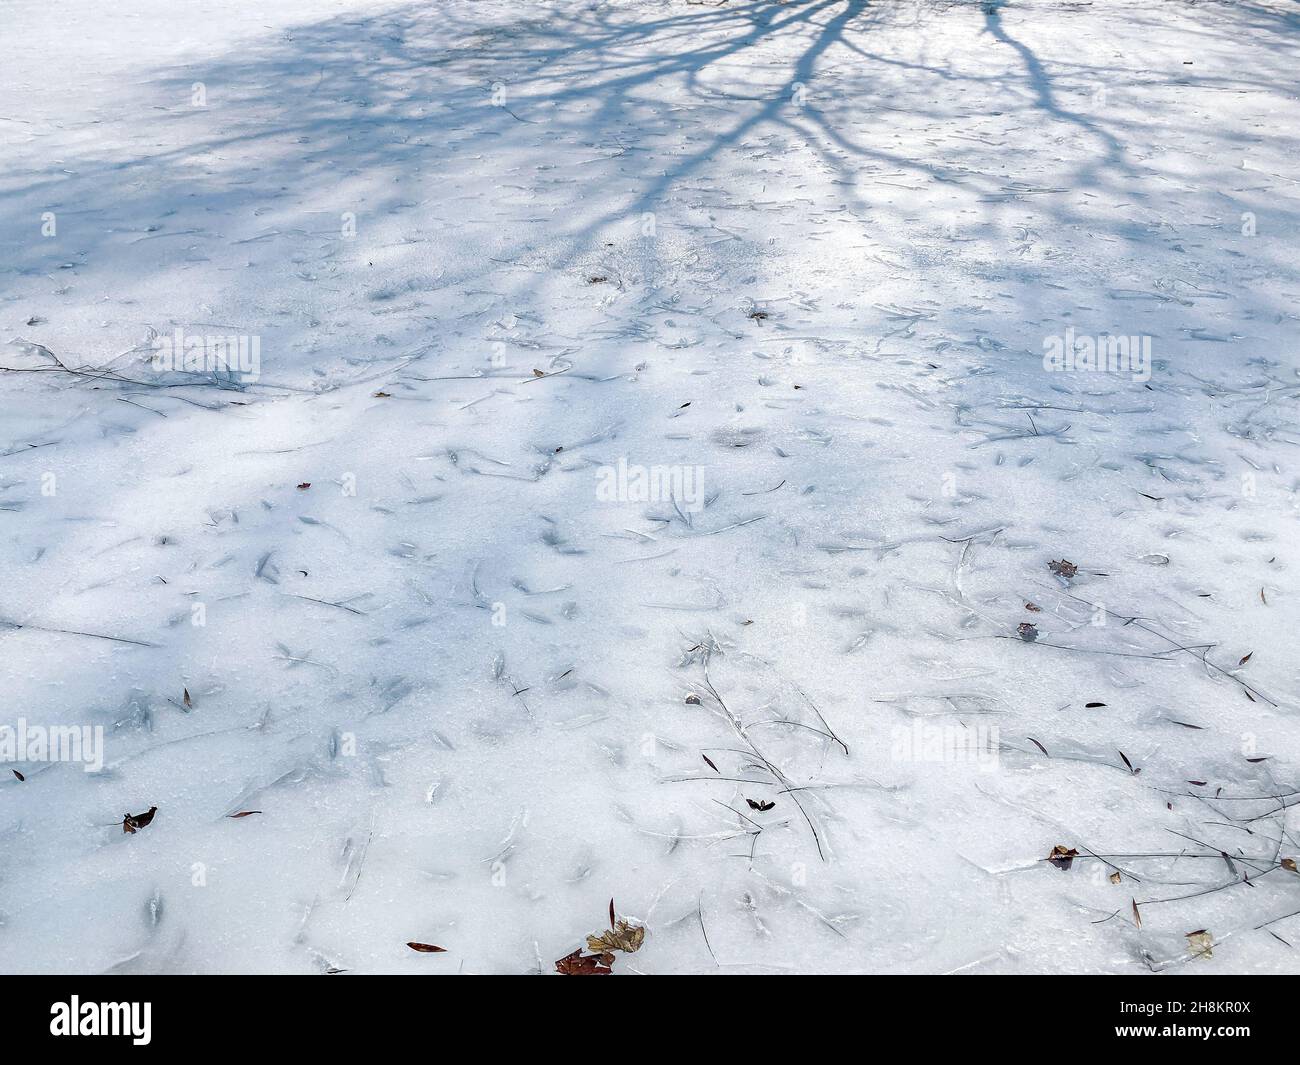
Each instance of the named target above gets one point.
<point>1199,943</point>
<point>625,937</point>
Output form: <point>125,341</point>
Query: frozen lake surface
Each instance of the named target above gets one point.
<point>656,457</point>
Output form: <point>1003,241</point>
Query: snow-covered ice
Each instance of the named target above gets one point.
<point>650,414</point>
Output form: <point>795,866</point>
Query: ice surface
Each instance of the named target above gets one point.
<point>800,259</point>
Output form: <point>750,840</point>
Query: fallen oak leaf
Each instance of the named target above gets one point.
<point>623,936</point>
<point>762,805</point>
<point>1063,857</point>
<point>1200,943</point>
<point>426,948</point>
<point>132,823</point>
<point>579,964</point>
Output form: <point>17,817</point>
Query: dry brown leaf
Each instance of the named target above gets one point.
<point>1063,568</point>
<point>1115,878</point>
<point>382,395</point>
<point>761,805</point>
<point>427,948</point>
<point>1289,864</point>
<point>17,774</point>
<point>132,823</point>
<point>186,700</point>
<point>1200,943</point>
<point>1027,632</point>
<point>623,936</point>
<point>1062,857</point>
<point>579,964</point>
<point>245,813</point>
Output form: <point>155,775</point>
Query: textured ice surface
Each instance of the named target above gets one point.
<point>800,261</point>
